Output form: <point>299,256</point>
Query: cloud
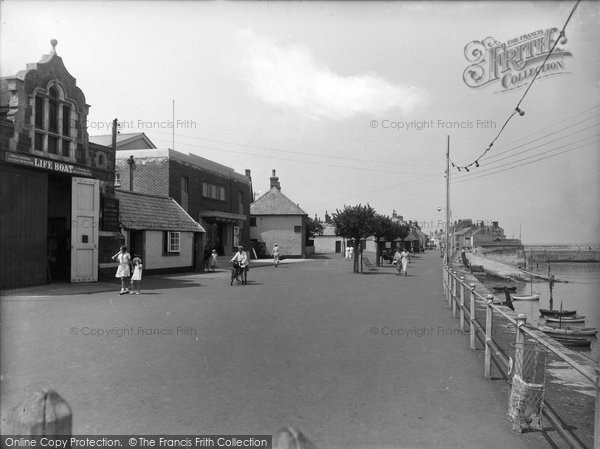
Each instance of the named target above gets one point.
<point>288,77</point>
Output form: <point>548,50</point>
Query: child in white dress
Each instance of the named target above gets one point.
<point>213,260</point>
<point>136,279</point>
<point>123,271</point>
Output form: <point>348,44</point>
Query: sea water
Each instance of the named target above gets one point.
<point>580,292</point>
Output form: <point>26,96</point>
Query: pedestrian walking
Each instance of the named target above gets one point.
<point>241,258</point>
<point>136,278</point>
<point>275,254</point>
<point>213,260</point>
<point>351,253</point>
<point>123,270</point>
<point>396,261</point>
<point>347,255</point>
<point>405,260</point>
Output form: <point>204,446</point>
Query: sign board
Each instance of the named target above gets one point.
<point>110,214</point>
<point>46,164</point>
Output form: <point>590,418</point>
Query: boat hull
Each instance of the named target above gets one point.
<point>568,332</point>
<point>557,313</point>
<point>566,319</point>
<point>573,341</point>
<point>525,297</point>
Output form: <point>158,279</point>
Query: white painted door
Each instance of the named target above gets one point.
<point>85,211</point>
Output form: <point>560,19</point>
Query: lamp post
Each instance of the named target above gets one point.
<point>131,163</point>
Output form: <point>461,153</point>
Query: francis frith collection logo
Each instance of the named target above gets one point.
<point>513,63</point>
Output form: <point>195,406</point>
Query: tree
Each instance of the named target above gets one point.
<point>397,231</point>
<point>382,226</point>
<point>313,228</point>
<point>356,223</point>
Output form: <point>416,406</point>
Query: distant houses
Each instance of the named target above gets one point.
<point>276,219</point>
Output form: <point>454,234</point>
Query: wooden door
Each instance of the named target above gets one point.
<point>85,211</point>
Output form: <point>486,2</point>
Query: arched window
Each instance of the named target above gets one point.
<point>53,120</point>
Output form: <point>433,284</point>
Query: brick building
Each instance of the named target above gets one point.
<point>212,194</point>
<point>58,219</point>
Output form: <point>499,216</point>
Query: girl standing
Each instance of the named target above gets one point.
<point>136,279</point>
<point>123,270</point>
<point>213,260</point>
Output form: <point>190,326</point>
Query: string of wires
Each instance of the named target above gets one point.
<point>517,109</point>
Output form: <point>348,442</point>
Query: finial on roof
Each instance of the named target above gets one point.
<point>54,43</point>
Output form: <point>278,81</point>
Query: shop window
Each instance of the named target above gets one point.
<point>52,120</point>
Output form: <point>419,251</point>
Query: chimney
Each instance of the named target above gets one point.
<point>248,174</point>
<point>495,224</point>
<point>275,181</point>
<point>394,214</point>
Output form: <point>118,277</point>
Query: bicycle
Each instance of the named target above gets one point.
<point>236,271</point>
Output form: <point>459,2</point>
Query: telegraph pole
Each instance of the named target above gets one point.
<point>448,245</point>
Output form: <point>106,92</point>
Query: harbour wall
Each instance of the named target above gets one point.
<point>544,254</point>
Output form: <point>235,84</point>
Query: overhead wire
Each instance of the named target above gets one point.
<point>517,109</point>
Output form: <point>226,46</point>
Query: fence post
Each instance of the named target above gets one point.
<point>44,413</point>
<point>520,340</point>
<point>472,329</point>
<point>444,278</point>
<point>597,410</point>
<point>489,315</point>
<point>461,312</point>
<point>455,295</point>
<point>451,287</point>
<point>291,438</point>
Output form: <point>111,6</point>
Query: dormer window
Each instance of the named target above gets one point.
<point>53,121</point>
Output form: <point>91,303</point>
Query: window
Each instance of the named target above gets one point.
<point>173,242</point>
<point>214,192</point>
<point>241,203</point>
<point>184,192</point>
<point>52,120</point>
<point>253,221</point>
<point>297,229</point>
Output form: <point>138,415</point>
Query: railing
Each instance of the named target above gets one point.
<point>454,291</point>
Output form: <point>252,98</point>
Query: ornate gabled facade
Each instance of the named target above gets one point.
<point>57,189</point>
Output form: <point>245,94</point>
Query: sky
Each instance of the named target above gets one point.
<point>350,102</point>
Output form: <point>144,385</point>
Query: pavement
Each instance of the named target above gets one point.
<point>368,361</point>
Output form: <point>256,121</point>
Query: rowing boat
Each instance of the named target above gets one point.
<point>566,319</point>
<point>557,313</point>
<point>534,297</point>
<point>573,341</point>
<point>569,331</point>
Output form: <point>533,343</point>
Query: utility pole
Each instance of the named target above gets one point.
<point>173,125</point>
<point>448,243</point>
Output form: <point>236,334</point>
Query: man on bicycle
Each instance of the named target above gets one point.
<point>242,260</point>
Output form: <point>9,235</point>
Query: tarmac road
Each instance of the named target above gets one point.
<point>353,361</point>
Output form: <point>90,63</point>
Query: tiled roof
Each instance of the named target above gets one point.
<point>275,203</point>
<point>106,139</point>
<point>150,212</point>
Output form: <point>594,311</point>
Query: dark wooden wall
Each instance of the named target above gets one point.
<point>23,227</point>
